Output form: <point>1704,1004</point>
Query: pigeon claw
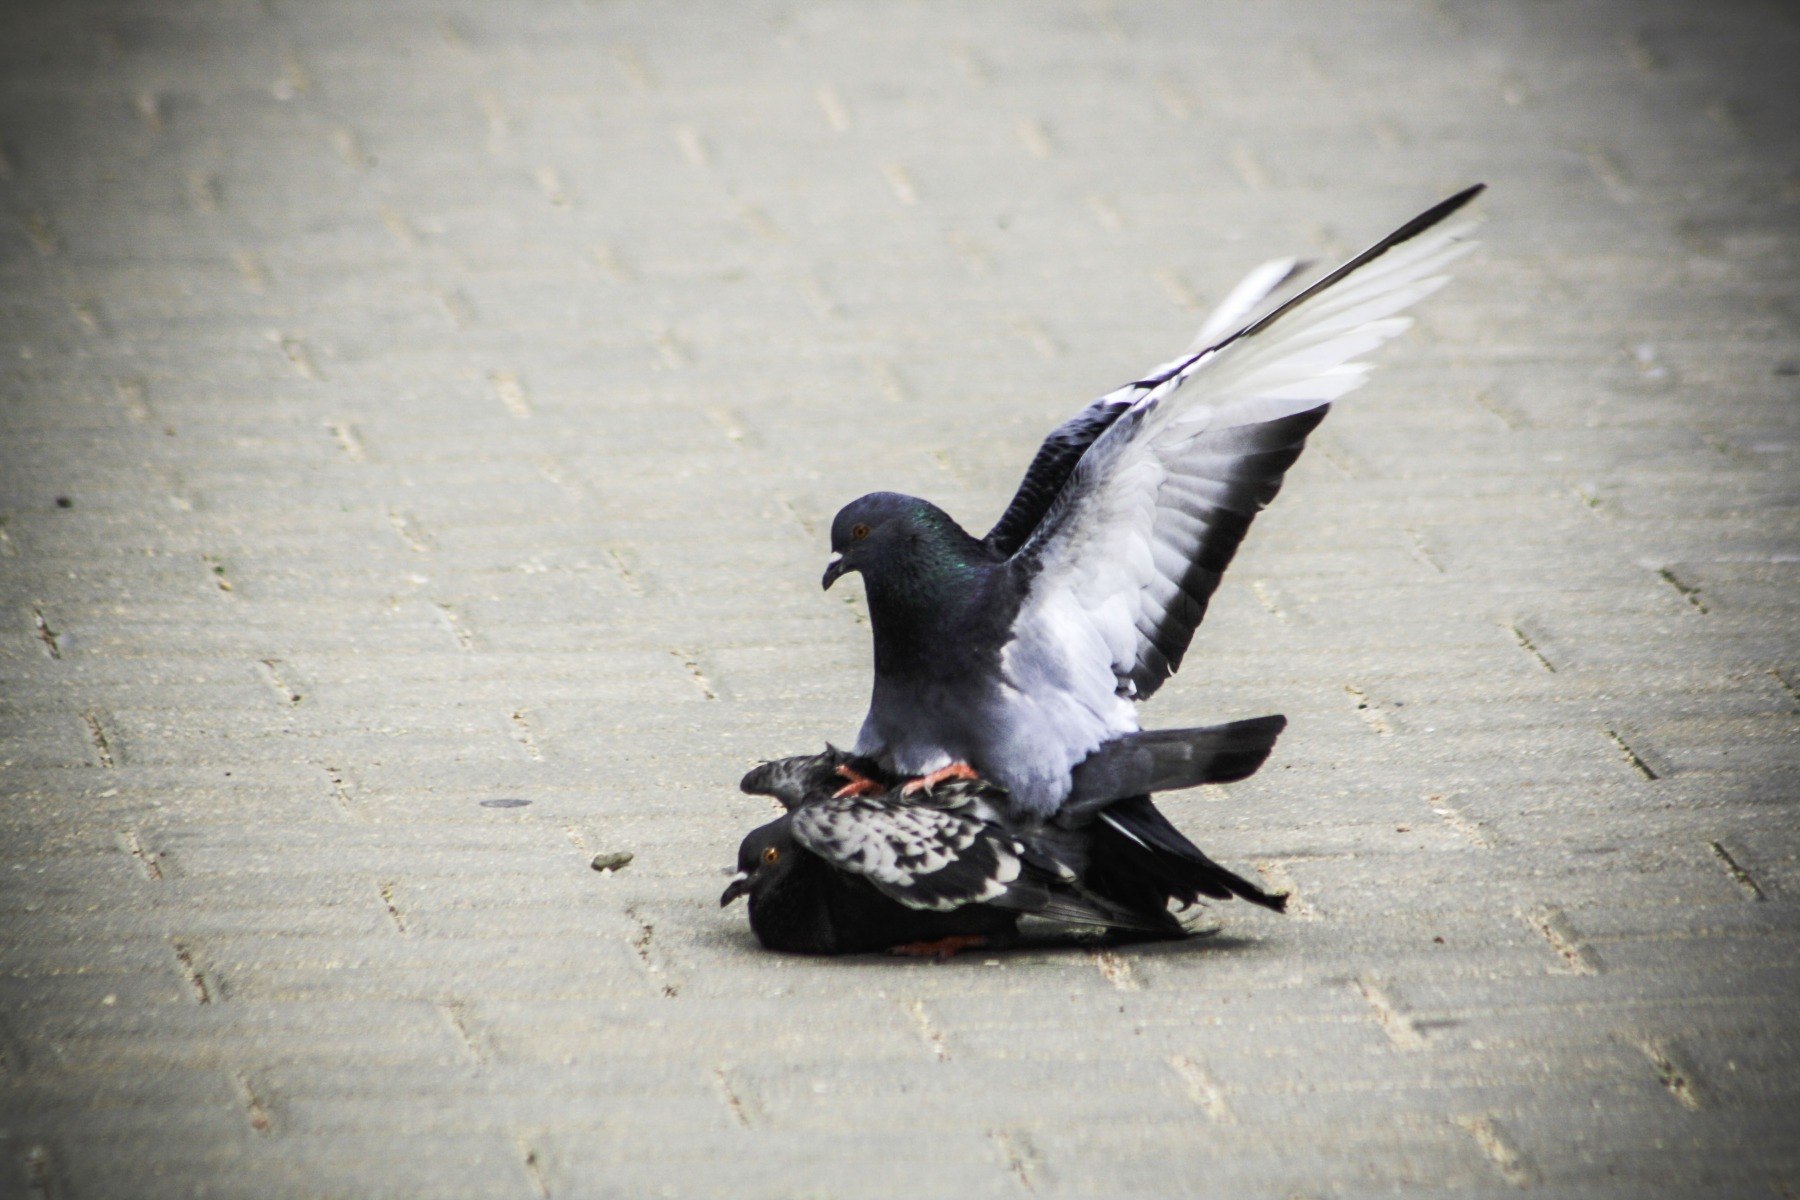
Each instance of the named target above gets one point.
<point>924,783</point>
<point>942,949</point>
<point>858,785</point>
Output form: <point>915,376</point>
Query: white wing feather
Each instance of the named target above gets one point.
<point>1176,477</point>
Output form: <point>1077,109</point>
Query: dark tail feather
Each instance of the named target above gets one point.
<point>1167,760</point>
<point>1139,858</point>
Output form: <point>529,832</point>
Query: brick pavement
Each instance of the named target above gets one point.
<point>408,406</point>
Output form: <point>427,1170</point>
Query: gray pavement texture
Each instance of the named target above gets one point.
<point>419,404</point>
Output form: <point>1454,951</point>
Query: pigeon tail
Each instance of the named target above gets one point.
<point>1167,760</point>
<point>1147,855</point>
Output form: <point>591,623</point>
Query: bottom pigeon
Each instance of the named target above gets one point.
<point>942,869</point>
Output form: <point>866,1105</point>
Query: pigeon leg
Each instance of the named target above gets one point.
<point>942,949</point>
<point>924,783</point>
<point>859,785</point>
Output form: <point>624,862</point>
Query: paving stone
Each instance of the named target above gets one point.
<point>410,407</point>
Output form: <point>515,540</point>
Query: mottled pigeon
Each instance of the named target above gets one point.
<point>948,866</point>
<point>1016,655</point>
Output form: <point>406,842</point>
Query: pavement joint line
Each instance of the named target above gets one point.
<point>454,625</point>
<point>1641,758</point>
<point>98,738</point>
<point>1250,169</point>
<point>42,1175</point>
<point>254,1107</point>
<point>1393,1020</point>
<point>553,472</point>
<point>1456,819</point>
<point>757,220</point>
<point>888,380</point>
<point>348,439</point>
<point>1037,337</point>
<point>1265,596</point>
<point>831,103</point>
<point>1203,1089</point>
<point>1554,926</point>
<point>1019,1156</point>
<point>636,70</point>
<point>349,147</point>
<point>511,393</point>
<point>196,979</point>
<point>146,859</point>
<point>399,228</point>
<point>456,1016</point>
<point>900,182</point>
<point>409,531</point>
<point>523,735</point>
<point>42,233</point>
<point>251,270</point>
<point>1675,1072</point>
<point>691,662</point>
<point>1526,643</point>
<point>928,1030</point>
<point>300,357</point>
<point>550,182</point>
<point>269,670</point>
<point>1417,546</point>
<point>393,910</point>
<point>672,349</point>
<point>46,634</point>
<point>533,1168</point>
<point>606,257</point>
<point>1689,592</point>
<point>1035,137</point>
<point>693,146</point>
<point>1502,1151</point>
<point>730,1095</point>
<point>1740,875</point>
<point>1117,970</point>
<point>1275,871</point>
<point>641,940</point>
<point>456,306</point>
<point>1366,709</point>
<point>341,793</point>
<point>627,575</point>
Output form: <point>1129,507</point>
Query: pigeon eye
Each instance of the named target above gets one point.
<point>770,855</point>
<point>859,531</point>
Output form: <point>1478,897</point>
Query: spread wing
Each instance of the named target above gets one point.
<point>1057,457</point>
<point>1126,556</point>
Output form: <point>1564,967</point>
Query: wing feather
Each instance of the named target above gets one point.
<point>922,855</point>
<point>1133,543</point>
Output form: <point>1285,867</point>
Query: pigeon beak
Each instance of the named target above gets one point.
<point>834,568</point>
<point>740,883</point>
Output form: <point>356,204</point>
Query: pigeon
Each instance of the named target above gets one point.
<point>1017,655</point>
<point>945,868</point>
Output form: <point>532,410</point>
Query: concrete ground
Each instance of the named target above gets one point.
<point>421,420</point>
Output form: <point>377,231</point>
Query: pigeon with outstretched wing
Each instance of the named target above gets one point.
<point>1017,655</point>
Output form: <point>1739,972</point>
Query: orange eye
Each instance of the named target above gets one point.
<point>859,531</point>
<point>770,855</point>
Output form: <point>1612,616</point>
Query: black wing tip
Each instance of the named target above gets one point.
<point>1433,215</point>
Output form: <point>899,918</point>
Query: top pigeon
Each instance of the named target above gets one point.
<point>1018,654</point>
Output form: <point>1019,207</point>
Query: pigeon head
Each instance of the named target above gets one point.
<point>765,857</point>
<point>888,531</point>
